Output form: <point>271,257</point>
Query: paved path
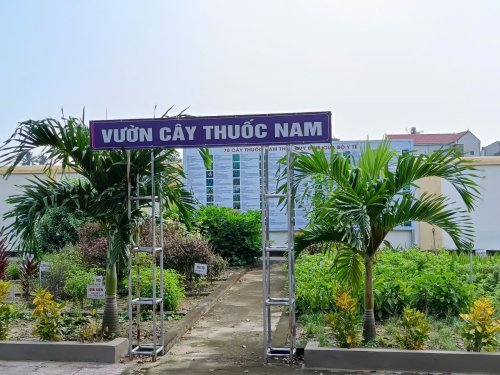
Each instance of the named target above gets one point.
<point>228,339</point>
<point>58,368</point>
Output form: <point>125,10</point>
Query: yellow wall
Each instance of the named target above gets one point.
<point>434,185</point>
<point>427,239</point>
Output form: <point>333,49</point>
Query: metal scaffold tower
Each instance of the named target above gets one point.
<point>269,251</point>
<point>148,196</point>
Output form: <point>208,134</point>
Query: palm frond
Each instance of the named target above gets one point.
<point>348,267</point>
<point>436,210</point>
<point>445,164</point>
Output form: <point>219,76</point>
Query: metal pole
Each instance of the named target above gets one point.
<point>162,286</point>
<point>291,255</point>
<point>153,231</point>
<point>263,173</point>
<point>471,279</point>
<point>129,212</point>
<point>138,269</point>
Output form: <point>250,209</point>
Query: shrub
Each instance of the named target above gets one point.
<point>182,249</point>
<point>173,286</point>
<point>420,280</point>
<point>65,265</point>
<point>415,329</point>
<point>93,244</point>
<point>76,284</point>
<point>58,227</point>
<point>6,310</point>
<point>315,283</point>
<point>4,256</point>
<point>182,252</point>
<point>13,272</point>
<point>28,271</point>
<point>346,322</point>
<point>481,328</point>
<point>47,312</point>
<point>234,235</point>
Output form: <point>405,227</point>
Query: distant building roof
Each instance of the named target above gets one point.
<point>429,139</point>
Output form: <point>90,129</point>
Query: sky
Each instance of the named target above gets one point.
<point>380,66</point>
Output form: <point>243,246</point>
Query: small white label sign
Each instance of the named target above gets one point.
<point>95,292</point>
<point>12,295</point>
<point>97,280</point>
<point>45,266</point>
<point>200,268</point>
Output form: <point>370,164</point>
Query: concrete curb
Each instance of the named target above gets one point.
<point>338,359</point>
<point>64,351</point>
<point>190,319</point>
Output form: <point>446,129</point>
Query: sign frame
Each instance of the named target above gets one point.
<point>212,131</point>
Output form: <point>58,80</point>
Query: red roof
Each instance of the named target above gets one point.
<point>429,139</point>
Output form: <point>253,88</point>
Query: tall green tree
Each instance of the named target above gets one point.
<point>101,190</point>
<point>368,198</point>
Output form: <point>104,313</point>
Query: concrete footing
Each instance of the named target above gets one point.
<point>64,351</point>
<point>400,360</point>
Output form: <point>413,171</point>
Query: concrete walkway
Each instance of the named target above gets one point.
<point>59,368</point>
<point>228,339</point>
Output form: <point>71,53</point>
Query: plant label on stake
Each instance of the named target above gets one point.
<point>12,295</point>
<point>96,292</point>
<point>200,269</point>
<point>44,267</point>
<point>98,280</point>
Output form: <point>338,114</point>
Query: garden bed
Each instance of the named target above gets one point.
<point>21,330</point>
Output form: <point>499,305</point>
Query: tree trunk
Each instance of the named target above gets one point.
<point>110,318</point>
<point>369,317</point>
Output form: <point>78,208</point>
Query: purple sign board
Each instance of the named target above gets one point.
<point>272,129</point>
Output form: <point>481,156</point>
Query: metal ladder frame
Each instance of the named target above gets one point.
<point>157,347</point>
<point>267,253</point>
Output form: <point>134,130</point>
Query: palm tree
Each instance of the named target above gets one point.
<point>101,190</point>
<point>29,159</point>
<point>366,199</point>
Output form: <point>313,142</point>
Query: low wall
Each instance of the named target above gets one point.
<point>64,351</point>
<point>400,360</point>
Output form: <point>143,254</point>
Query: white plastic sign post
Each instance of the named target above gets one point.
<point>200,269</point>
<point>97,280</point>
<point>45,266</point>
<point>95,292</point>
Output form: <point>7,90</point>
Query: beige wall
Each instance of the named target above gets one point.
<point>484,217</point>
<point>430,237</point>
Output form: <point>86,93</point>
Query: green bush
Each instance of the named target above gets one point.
<point>234,235</point>
<point>58,227</point>
<point>174,291</point>
<point>76,283</point>
<point>315,284</point>
<point>68,274</point>
<point>421,280</point>
<point>13,271</point>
